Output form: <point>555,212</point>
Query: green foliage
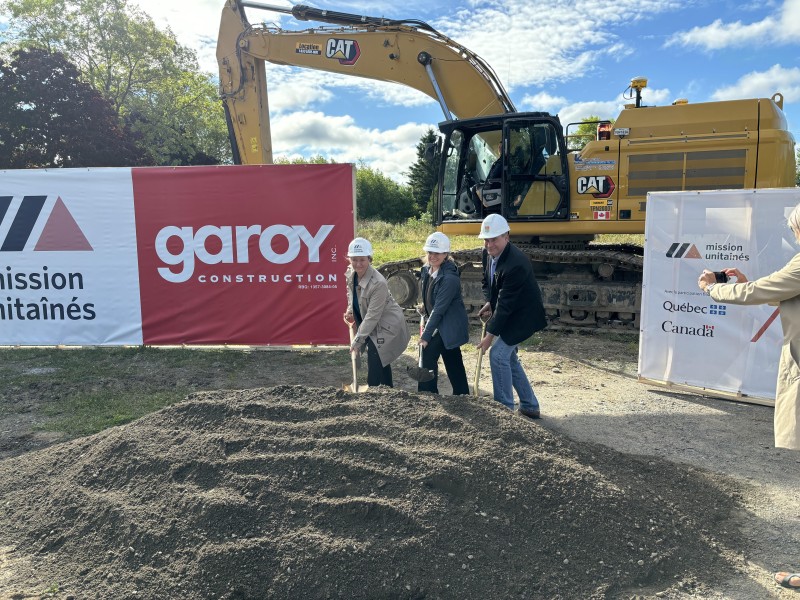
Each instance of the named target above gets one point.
<point>584,133</point>
<point>152,82</point>
<point>797,167</point>
<point>317,159</point>
<point>52,119</point>
<point>180,121</point>
<point>379,197</point>
<point>422,176</point>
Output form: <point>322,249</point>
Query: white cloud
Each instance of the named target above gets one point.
<point>527,48</point>
<point>605,109</point>
<point>764,84</point>
<point>195,24</point>
<point>541,102</point>
<point>780,28</point>
<point>574,113</point>
<point>290,90</point>
<point>307,133</point>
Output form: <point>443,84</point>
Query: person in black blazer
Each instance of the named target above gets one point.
<point>515,311</point>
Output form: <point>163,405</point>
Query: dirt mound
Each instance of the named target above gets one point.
<point>296,492</point>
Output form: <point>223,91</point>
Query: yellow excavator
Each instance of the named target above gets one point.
<point>524,165</point>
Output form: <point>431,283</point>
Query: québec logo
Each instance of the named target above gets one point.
<point>697,309</point>
<point>60,233</point>
<point>233,243</point>
<point>683,250</point>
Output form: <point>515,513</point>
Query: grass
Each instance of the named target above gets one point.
<point>82,391</point>
<point>85,414</point>
<point>401,241</point>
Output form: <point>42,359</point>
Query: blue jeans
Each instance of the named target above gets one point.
<point>507,372</point>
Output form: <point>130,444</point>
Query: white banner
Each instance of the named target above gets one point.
<point>246,255</point>
<point>68,251</point>
<point>686,337</point>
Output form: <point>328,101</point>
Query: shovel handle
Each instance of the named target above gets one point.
<point>353,359</point>
<point>421,329</point>
<point>480,360</point>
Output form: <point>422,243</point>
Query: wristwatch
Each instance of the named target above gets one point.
<point>709,288</point>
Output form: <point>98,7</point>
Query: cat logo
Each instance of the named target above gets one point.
<point>599,186</point>
<point>345,51</point>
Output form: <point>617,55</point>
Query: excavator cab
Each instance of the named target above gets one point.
<point>516,166</point>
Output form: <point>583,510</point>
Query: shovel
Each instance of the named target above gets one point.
<point>480,359</point>
<point>353,387</point>
<point>418,373</point>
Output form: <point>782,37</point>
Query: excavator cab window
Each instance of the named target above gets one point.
<point>456,202</point>
<point>471,164</point>
<point>516,167</point>
<point>488,187</point>
<point>536,180</point>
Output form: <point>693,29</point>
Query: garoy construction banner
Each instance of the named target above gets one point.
<point>687,338</point>
<point>250,255</point>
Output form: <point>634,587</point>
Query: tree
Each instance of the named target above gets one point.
<point>422,175</point>
<point>152,81</point>
<point>317,159</point>
<point>52,119</point>
<point>797,167</point>
<point>584,133</point>
<point>379,197</point>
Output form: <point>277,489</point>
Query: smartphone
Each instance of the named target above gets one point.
<point>720,277</point>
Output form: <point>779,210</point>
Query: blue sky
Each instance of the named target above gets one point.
<point>569,57</point>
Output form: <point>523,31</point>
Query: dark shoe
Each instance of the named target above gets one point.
<point>785,580</point>
<point>530,413</point>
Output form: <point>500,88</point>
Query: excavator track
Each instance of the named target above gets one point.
<point>597,286</point>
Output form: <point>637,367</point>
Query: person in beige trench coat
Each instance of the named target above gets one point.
<point>382,327</point>
<point>782,288</point>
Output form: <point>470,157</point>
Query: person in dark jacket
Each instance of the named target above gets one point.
<point>447,326</point>
<point>514,305</point>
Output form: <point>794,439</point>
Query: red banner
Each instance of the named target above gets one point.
<point>250,255</point>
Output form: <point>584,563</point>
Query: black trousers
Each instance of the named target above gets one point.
<point>453,364</point>
<point>377,374</point>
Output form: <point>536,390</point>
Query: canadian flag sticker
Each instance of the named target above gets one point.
<point>602,215</point>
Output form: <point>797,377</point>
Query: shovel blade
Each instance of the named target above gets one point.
<point>419,374</point>
<point>358,389</point>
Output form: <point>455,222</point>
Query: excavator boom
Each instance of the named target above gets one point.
<point>408,52</point>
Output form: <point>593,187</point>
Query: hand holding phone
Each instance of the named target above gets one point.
<point>720,277</point>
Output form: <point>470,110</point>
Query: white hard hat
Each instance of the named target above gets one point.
<point>437,242</point>
<point>492,226</point>
<point>359,247</point>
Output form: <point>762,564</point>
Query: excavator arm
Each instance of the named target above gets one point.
<point>407,52</point>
